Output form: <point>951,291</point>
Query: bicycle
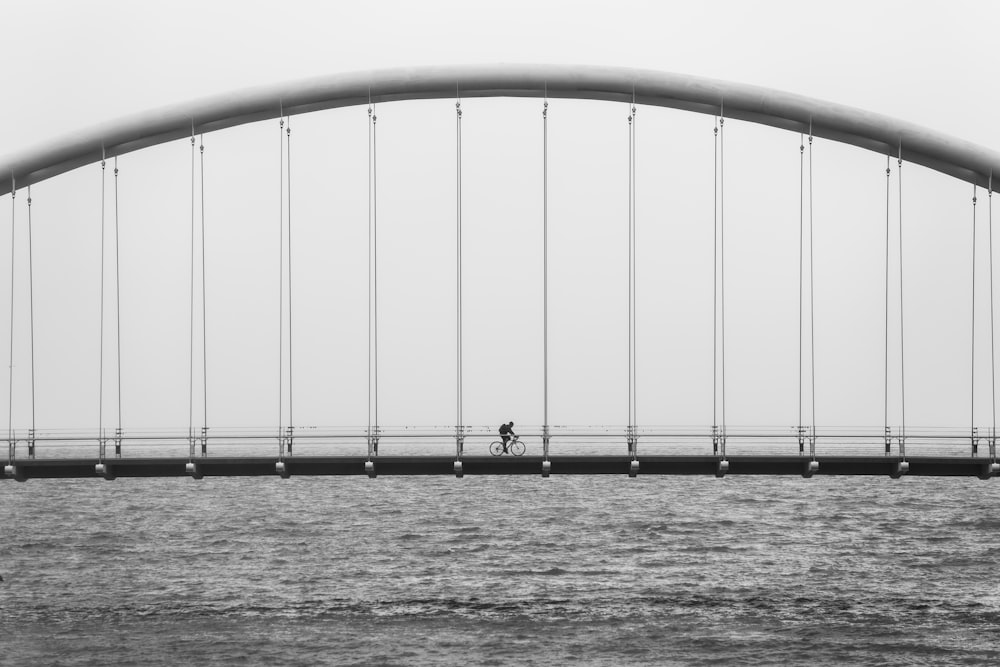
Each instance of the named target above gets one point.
<point>515,447</point>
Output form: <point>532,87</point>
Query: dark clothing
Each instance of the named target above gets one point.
<point>505,432</point>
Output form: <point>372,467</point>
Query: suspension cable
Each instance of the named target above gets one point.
<point>458,265</point>
<point>369,269</point>
<point>812,296</point>
<point>902,357</point>
<point>715,277</point>
<point>10,381</point>
<point>100,392</point>
<point>972,371</point>
<point>372,275</point>
<point>801,261</point>
<point>375,256</point>
<point>118,308</point>
<point>281,277</point>
<point>288,159</point>
<point>631,147</point>
<point>631,274</point>
<point>191,299</point>
<point>635,264</point>
<point>722,262</point>
<point>993,368</point>
<point>545,272</point>
<point>31,316</point>
<point>204,301</point>
<point>888,171</point>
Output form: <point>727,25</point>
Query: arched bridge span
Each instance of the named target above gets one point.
<point>955,157</point>
<point>839,123</point>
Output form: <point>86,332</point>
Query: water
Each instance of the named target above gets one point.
<point>499,571</point>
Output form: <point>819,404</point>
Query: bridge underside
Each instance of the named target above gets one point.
<point>488,465</point>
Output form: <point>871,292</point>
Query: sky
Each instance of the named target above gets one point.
<point>76,65</point>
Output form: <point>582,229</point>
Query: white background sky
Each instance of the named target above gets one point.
<point>74,65</point>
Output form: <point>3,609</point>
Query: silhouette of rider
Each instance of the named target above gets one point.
<point>506,431</point>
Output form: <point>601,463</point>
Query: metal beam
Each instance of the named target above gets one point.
<point>788,111</point>
<point>705,465</point>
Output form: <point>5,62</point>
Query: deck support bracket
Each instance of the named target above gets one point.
<point>991,469</point>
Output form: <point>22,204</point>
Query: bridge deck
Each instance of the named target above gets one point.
<point>488,465</point>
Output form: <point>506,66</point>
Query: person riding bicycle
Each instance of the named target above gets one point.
<point>506,431</point>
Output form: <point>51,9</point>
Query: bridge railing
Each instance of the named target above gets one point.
<point>441,440</point>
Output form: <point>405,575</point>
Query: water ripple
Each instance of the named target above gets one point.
<point>603,571</point>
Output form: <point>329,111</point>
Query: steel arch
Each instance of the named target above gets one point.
<point>882,134</point>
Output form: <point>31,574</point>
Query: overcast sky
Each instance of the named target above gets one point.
<point>74,65</point>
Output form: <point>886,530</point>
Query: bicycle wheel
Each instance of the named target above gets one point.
<point>516,448</point>
<point>496,448</point>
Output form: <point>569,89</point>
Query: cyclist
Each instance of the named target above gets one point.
<point>506,431</point>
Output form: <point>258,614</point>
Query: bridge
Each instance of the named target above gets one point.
<point>369,443</point>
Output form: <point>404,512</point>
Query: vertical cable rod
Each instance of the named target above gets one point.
<point>993,365</point>
<point>100,391</point>
<point>812,302</point>
<point>372,283</point>
<point>545,275</point>
<point>972,368</point>
<point>375,258</point>
<point>10,368</point>
<point>631,278</point>
<point>902,357</point>
<point>458,273</point>
<point>281,283</point>
<point>885,385</point>
<point>631,148</point>
<point>369,123</point>
<point>31,316</point>
<point>204,300</point>
<point>715,285</point>
<point>722,268</point>
<point>291,368</point>
<point>191,301</point>
<point>635,266</point>
<point>801,271</point>
<point>118,314</point>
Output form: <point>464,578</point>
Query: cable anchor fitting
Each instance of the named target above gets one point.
<point>372,453</point>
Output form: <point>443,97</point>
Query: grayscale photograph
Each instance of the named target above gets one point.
<point>499,333</point>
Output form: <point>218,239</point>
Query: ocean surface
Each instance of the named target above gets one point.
<point>500,571</point>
